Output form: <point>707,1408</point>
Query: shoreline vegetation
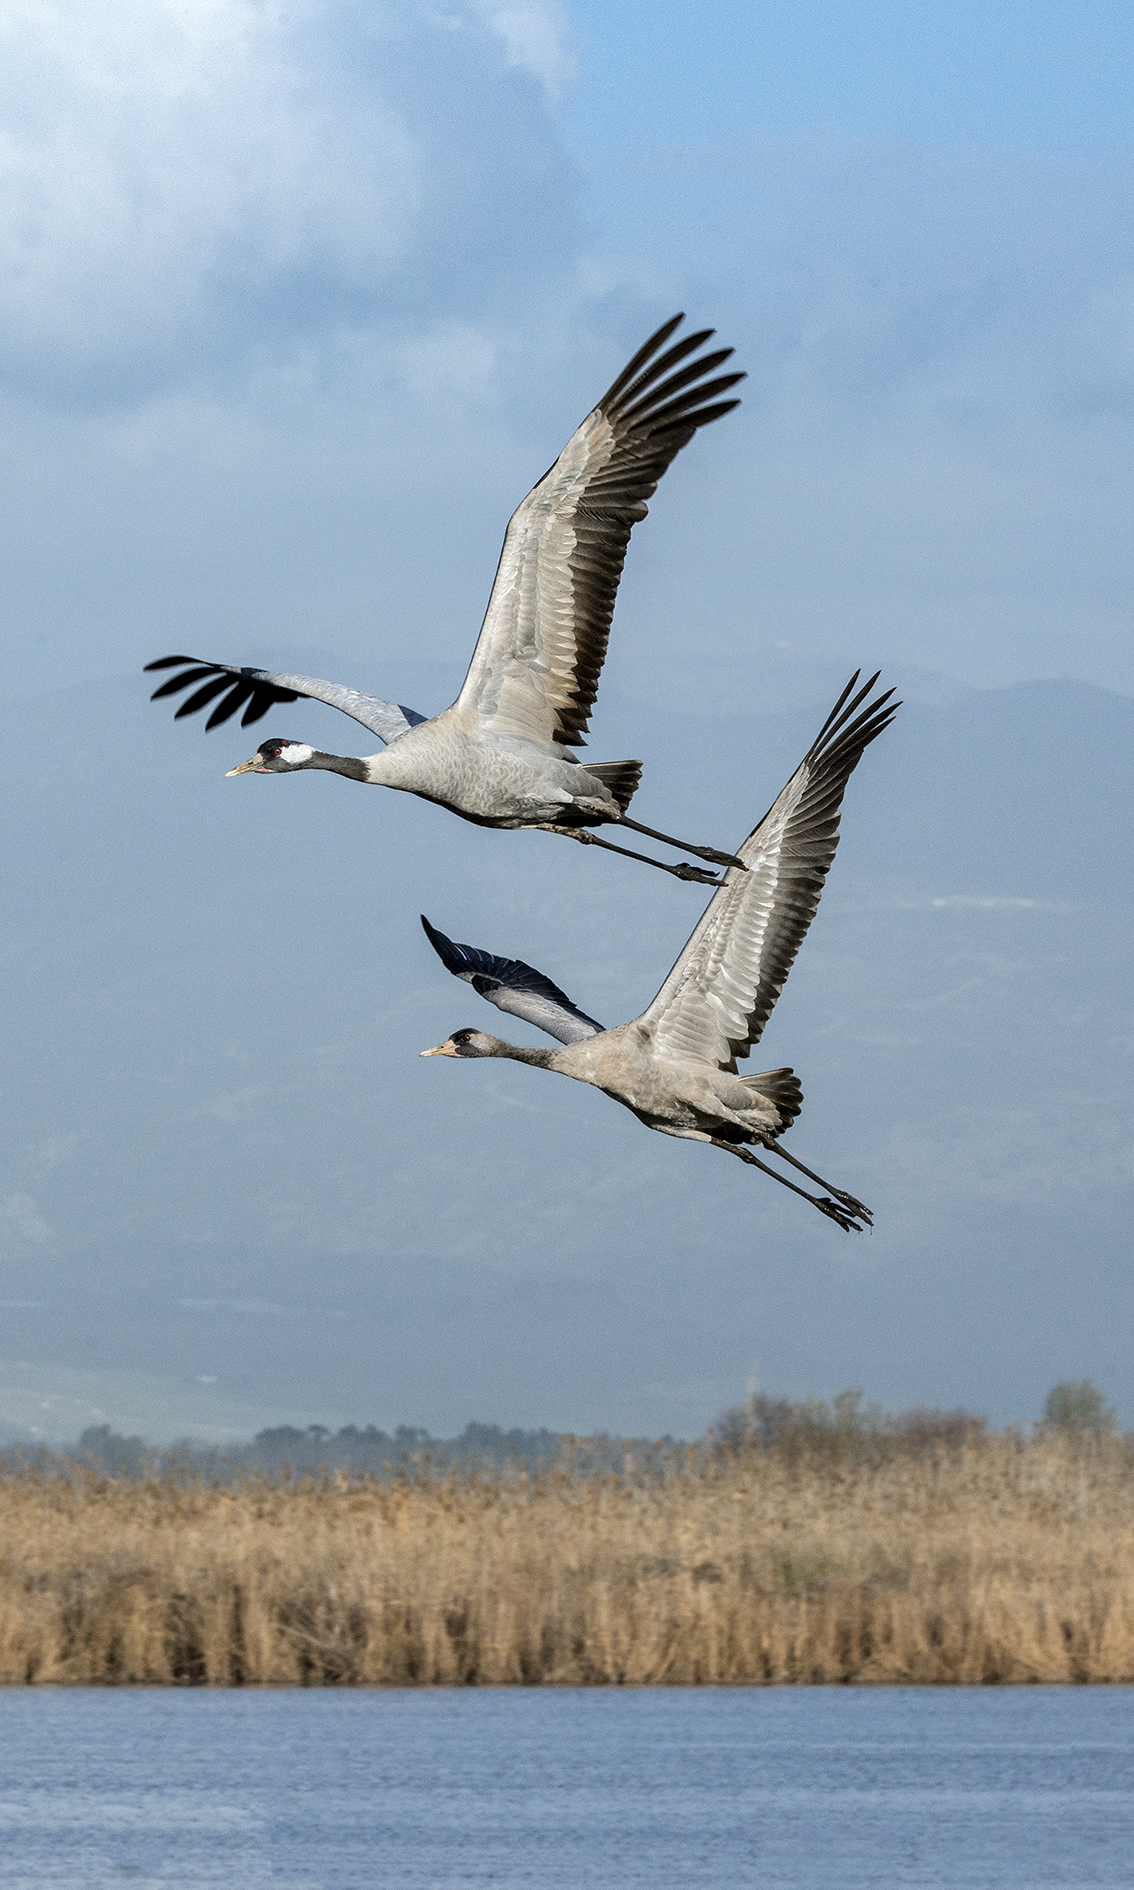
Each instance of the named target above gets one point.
<point>795,1544</point>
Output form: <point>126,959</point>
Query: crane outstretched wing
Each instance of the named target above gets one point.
<point>514,987</point>
<point>536,665</point>
<point>255,690</point>
<point>720,993</point>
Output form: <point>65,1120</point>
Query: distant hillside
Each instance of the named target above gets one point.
<point>230,1190</point>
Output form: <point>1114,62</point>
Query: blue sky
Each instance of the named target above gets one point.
<point>1030,77</point>
<point>285,288</point>
<point>295,303</point>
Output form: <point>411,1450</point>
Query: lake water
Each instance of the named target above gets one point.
<point>580,1789</point>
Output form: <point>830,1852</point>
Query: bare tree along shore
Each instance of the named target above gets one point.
<point>795,1544</point>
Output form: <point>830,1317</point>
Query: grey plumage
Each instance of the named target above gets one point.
<point>675,1066</point>
<point>514,987</point>
<point>503,754</point>
<point>257,690</point>
<point>718,997</point>
<point>535,669</point>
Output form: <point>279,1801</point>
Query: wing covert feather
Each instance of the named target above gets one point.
<point>717,999</point>
<point>535,669</point>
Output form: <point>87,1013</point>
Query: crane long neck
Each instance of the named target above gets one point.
<point>520,1053</point>
<point>350,765</point>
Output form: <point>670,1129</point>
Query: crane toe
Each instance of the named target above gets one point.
<point>828,1207</point>
<point>856,1207</point>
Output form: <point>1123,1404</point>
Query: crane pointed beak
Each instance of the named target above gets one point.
<point>440,1050</point>
<point>246,767</point>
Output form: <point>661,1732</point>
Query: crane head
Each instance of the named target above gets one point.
<point>464,1043</point>
<point>276,757</point>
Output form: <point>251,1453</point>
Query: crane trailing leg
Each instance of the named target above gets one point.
<point>703,853</point>
<point>840,1194</point>
<point>849,1220</point>
<point>587,839</point>
<point>848,1213</point>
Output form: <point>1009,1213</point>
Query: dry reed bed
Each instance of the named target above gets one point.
<point>1003,1560</point>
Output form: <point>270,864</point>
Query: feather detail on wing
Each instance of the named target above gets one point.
<point>713,1006</point>
<point>514,987</point>
<point>535,669</point>
<point>255,690</point>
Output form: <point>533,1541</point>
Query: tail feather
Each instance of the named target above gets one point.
<point>621,778</point>
<point>783,1089</point>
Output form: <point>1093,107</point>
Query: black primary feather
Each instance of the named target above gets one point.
<point>487,973</point>
<point>240,685</point>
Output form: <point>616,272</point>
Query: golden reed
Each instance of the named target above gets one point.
<point>1004,1559</point>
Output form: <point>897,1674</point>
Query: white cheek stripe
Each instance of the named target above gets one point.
<point>296,753</point>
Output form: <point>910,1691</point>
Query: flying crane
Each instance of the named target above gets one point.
<point>675,1065</point>
<point>503,754</point>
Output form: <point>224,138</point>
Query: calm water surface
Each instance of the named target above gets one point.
<point>815,1788</point>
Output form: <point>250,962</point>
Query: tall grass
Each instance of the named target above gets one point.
<point>988,1558</point>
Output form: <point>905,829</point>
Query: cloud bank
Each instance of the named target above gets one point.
<point>184,185</point>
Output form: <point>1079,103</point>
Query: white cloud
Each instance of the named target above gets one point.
<point>180,183</point>
<point>156,155</point>
<point>533,35</point>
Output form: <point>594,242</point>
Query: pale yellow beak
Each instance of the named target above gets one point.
<point>246,767</point>
<point>440,1050</point>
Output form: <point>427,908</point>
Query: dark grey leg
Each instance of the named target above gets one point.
<point>833,1212</point>
<point>703,853</point>
<point>588,839</point>
<point>848,1200</point>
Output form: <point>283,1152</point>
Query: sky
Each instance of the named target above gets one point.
<point>295,304</point>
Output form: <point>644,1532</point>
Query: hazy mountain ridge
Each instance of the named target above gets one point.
<point>222,1166</point>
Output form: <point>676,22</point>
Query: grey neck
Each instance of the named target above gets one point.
<point>350,765</point>
<point>519,1053</point>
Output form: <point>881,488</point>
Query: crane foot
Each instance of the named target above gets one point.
<point>827,1206</point>
<point>856,1207</point>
